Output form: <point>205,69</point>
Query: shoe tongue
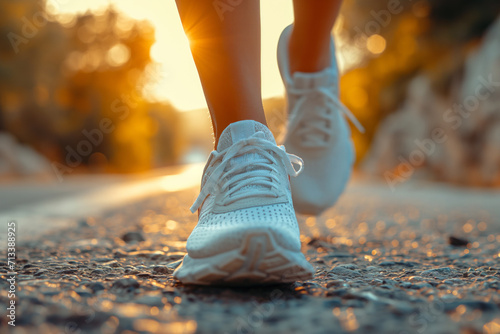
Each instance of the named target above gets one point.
<point>324,78</point>
<point>242,130</point>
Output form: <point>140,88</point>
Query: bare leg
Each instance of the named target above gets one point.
<point>225,43</point>
<point>310,39</point>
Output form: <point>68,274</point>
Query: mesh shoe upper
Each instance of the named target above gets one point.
<point>317,132</point>
<point>245,185</point>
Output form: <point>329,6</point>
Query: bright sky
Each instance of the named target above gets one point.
<point>178,80</point>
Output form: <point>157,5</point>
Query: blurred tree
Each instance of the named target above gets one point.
<point>72,88</point>
<point>415,60</point>
<point>392,41</point>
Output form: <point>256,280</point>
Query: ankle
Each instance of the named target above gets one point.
<point>308,54</point>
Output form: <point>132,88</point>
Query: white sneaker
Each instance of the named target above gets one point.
<point>247,231</point>
<point>317,132</point>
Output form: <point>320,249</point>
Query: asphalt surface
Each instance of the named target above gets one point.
<point>421,259</point>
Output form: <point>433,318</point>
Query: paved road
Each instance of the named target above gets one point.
<point>25,193</point>
<point>421,259</point>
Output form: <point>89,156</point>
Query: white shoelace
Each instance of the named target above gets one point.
<point>260,173</point>
<point>316,129</point>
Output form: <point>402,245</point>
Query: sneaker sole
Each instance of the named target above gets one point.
<point>260,260</point>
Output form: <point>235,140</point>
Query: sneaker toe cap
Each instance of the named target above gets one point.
<point>209,240</point>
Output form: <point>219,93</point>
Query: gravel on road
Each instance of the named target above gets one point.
<point>421,259</point>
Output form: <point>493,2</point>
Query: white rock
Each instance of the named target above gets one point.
<point>470,154</point>
<point>21,160</point>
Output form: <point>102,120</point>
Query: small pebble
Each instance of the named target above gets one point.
<point>459,242</point>
<point>133,236</point>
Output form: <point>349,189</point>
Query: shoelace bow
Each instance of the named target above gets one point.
<point>263,172</point>
<point>315,128</point>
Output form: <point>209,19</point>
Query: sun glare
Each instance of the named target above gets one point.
<point>175,77</point>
